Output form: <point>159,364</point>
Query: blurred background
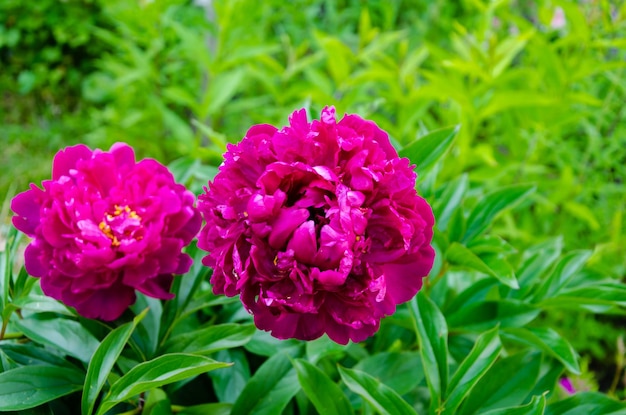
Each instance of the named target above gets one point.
<point>538,88</point>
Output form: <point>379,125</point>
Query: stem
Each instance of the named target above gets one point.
<point>12,336</point>
<point>5,323</point>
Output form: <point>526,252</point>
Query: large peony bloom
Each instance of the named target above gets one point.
<point>318,226</point>
<point>105,226</point>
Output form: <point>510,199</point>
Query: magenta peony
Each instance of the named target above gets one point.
<point>105,226</point>
<point>318,226</point>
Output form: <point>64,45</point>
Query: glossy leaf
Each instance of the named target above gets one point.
<point>507,383</point>
<point>63,334</point>
<point>326,396</point>
<point>450,201</point>
<point>565,269</point>
<point>536,406</point>
<point>157,403</point>
<point>460,255</point>
<point>31,354</point>
<point>229,382</point>
<point>29,386</point>
<point>322,347</point>
<point>103,360</point>
<point>548,341</point>
<point>491,205</point>
<point>155,373</point>
<point>208,408</point>
<point>483,315</point>
<point>427,150</point>
<point>270,389</point>
<point>383,398</point>
<point>588,403</point>
<point>211,339</point>
<point>401,371</point>
<point>484,354</point>
<point>432,334</point>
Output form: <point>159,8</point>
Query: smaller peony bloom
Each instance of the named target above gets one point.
<point>105,226</point>
<point>317,226</point>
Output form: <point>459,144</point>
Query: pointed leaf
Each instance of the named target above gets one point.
<point>536,406</point>
<point>483,315</point>
<point>483,355</point>
<point>488,208</point>
<point>29,386</point>
<point>426,151</point>
<point>548,341</point>
<point>383,398</point>
<point>270,389</point>
<point>66,335</point>
<point>326,395</point>
<point>450,201</point>
<point>155,373</point>
<point>460,255</point>
<point>103,360</point>
<point>401,371</point>
<point>508,382</point>
<point>565,269</point>
<point>588,403</point>
<point>211,339</point>
<point>432,334</point>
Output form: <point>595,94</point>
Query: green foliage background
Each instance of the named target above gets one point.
<point>529,192</point>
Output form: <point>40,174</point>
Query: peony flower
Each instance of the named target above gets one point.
<point>317,226</point>
<point>105,226</point>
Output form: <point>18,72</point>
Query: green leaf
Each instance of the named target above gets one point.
<point>426,151</point>
<point>262,343</point>
<point>103,360</point>
<point>383,398</point>
<point>538,259</point>
<point>325,394</point>
<point>401,371</point>
<point>7,256</point>
<point>211,339</point>
<point>610,294</point>
<point>270,389</point>
<point>565,269</point>
<point>155,373</point>
<point>450,200</point>
<point>29,386</point>
<point>483,355</point>
<point>488,208</point>
<point>432,334</point>
<point>588,403</point>
<point>484,315</point>
<point>31,354</point>
<point>221,89</point>
<point>229,382</point>
<point>458,254</point>
<point>322,347</point>
<point>507,383</point>
<point>146,333</point>
<point>548,341</point>
<point>68,336</point>
<point>207,408</point>
<point>157,403</point>
<point>536,406</point>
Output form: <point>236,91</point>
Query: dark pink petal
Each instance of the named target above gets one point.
<point>285,223</point>
<point>404,277</point>
<point>66,160</point>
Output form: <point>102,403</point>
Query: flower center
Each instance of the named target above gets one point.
<point>122,224</point>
